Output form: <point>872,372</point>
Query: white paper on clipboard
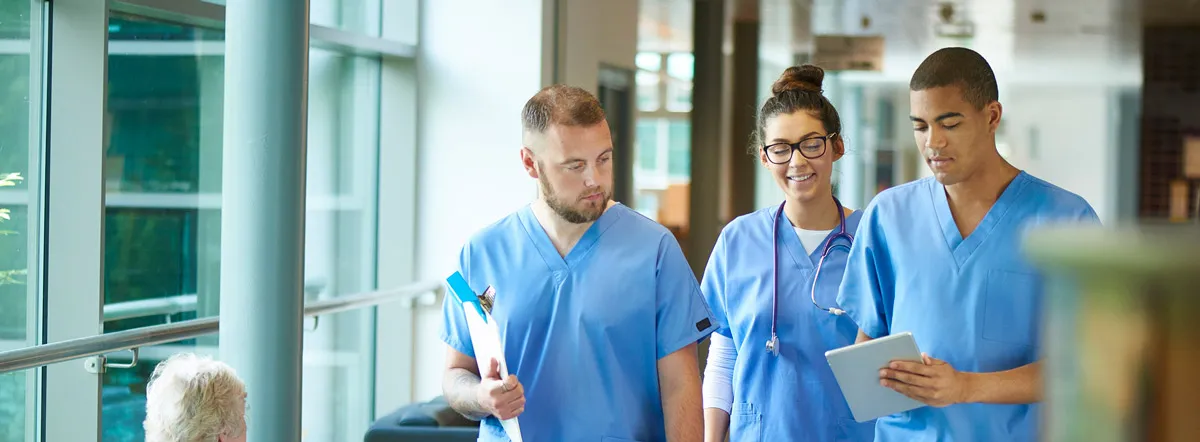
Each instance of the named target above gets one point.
<point>485,339</point>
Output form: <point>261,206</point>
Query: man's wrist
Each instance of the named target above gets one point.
<point>972,384</point>
<point>466,396</point>
<point>480,395</point>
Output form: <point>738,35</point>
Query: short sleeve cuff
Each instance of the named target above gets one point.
<point>456,344</point>
<point>871,326</point>
<point>687,339</point>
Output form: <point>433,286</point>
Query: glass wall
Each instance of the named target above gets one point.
<point>162,167</point>
<point>340,232</point>
<point>161,179</point>
<point>163,207</point>
<point>20,152</point>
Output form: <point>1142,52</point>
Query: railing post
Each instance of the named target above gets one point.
<point>262,211</point>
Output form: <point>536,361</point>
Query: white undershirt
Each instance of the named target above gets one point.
<point>812,239</point>
<point>718,372</point>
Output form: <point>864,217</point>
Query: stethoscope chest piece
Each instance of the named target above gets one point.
<point>773,345</point>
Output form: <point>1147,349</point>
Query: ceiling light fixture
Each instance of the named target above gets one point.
<point>950,24</point>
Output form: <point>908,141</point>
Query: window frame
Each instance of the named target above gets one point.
<point>72,218</point>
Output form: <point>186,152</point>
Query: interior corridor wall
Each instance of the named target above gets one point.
<point>592,33</point>
<point>476,70</point>
<point>1064,135</point>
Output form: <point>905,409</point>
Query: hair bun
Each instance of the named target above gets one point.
<point>807,78</point>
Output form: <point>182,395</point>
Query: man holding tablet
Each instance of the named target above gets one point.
<point>940,258</point>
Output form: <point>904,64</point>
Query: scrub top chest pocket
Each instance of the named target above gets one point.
<point>745,423</point>
<point>1011,307</point>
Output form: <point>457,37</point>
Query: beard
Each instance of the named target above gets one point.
<point>574,210</point>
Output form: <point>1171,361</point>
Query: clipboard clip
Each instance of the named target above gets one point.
<point>488,299</point>
<point>458,285</point>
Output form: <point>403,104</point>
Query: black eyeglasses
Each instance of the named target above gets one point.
<point>811,148</point>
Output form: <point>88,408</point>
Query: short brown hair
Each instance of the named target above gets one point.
<point>960,67</point>
<point>562,105</point>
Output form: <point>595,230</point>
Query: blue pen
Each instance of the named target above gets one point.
<point>462,290</point>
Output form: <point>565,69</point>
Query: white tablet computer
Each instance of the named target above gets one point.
<point>856,368</point>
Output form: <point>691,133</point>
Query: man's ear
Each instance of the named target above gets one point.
<point>529,162</point>
<point>994,112</point>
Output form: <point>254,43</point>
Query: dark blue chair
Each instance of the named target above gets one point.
<point>432,421</point>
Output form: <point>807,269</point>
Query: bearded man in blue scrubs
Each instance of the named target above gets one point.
<point>599,313</point>
<point>940,257</point>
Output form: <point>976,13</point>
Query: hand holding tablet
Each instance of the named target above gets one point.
<point>856,368</point>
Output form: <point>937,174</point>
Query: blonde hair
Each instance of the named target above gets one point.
<point>193,398</point>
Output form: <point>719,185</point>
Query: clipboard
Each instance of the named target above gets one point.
<point>485,335</point>
<point>856,368</point>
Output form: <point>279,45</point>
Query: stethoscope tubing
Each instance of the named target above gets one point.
<point>773,344</point>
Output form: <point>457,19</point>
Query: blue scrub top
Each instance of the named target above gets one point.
<point>972,302</point>
<point>793,396</point>
<point>584,333</point>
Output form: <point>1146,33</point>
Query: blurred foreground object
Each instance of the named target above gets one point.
<point>1121,332</point>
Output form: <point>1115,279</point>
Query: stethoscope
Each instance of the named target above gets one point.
<point>773,344</point>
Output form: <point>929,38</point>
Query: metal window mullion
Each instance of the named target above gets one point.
<point>74,212</point>
<point>34,328</point>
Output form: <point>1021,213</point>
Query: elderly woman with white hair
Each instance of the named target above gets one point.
<point>193,398</point>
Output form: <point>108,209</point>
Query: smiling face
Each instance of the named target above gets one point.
<point>801,179</point>
<point>955,138</point>
<point>573,166</point>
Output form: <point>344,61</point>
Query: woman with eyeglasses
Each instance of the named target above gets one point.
<point>772,282</point>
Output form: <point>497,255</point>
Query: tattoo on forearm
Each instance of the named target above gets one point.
<point>460,394</point>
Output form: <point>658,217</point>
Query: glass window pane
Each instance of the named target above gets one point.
<point>647,91</point>
<point>680,150</point>
<point>350,15</point>
<point>680,65</point>
<point>162,173</point>
<point>339,253</point>
<point>399,21</point>
<point>648,61</point>
<point>20,172</point>
<point>647,144</point>
<point>679,96</point>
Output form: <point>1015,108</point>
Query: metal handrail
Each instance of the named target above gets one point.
<point>171,305</point>
<point>45,354</point>
<point>168,305</point>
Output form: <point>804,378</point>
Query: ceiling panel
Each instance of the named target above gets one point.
<point>1025,40</point>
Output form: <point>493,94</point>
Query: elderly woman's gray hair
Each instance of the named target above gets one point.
<point>194,398</point>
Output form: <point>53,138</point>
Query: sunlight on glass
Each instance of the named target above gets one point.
<point>648,61</point>
<point>681,65</point>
